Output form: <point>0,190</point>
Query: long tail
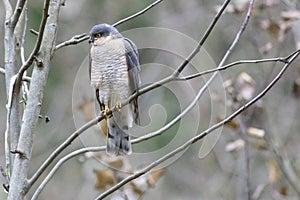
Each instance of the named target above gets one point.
<point>118,140</point>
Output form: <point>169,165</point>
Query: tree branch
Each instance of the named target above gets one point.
<point>84,36</point>
<point>74,40</point>
<point>140,92</point>
<point>10,51</point>
<point>137,14</point>
<point>282,59</point>
<point>8,10</point>
<point>59,149</point>
<point>134,141</point>
<point>200,135</point>
<point>203,39</point>
<point>284,163</point>
<point>25,78</point>
<point>39,78</point>
<point>200,92</point>
<point>38,43</point>
<point>17,12</point>
<point>60,163</point>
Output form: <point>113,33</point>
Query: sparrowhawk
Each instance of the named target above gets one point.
<point>114,73</point>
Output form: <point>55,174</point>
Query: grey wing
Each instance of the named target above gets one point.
<point>90,64</point>
<point>132,58</point>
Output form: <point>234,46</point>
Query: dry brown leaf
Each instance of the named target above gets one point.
<point>104,127</point>
<point>87,108</point>
<point>259,144</point>
<point>255,132</point>
<point>273,171</point>
<point>154,176</point>
<point>283,190</point>
<point>266,48</point>
<point>277,29</point>
<point>290,15</point>
<point>296,88</point>
<point>231,124</point>
<point>105,178</point>
<point>235,145</point>
<point>115,162</point>
<point>246,86</point>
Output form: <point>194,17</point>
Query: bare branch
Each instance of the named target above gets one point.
<point>34,32</point>
<point>25,78</point>
<point>7,134</point>
<point>39,78</point>
<point>17,12</point>
<point>200,135</point>
<point>283,162</point>
<point>38,43</point>
<point>2,71</point>
<point>134,141</point>
<point>22,49</point>
<point>282,59</point>
<point>137,14</point>
<point>203,39</point>
<point>170,78</point>
<point>10,51</point>
<point>82,37</point>
<point>60,163</point>
<point>202,90</point>
<point>140,92</point>
<point>74,40</point>
<point>8,10</point>
<point>59,149</point>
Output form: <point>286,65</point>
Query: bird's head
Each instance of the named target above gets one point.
<point>101,33</point>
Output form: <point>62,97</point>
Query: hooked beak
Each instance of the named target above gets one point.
<point>91,40</point>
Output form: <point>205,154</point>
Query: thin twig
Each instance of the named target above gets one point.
<point>283,163</point>
<point>59,164</point>
<point>202,90</point>
<point>84,36</point>
<point>8,10</point>
<point>243,165</point>
<point>25,87</point>
<point>135,95</point>
<point>8,124</point>
<point>17,12</point>
<point>74,40</point>
<point>203,39</point>
<point>2,70</point>
<point>38,43</point>
<point>34,32</point>
<point>20,170</point>
<point>137,14</point>
<point>25,78</point>
<point>198,136</point>
<point>22,49</point>
<point>282,59</point>
<point>102,148</point>
<point>59,149</point>
<point>198,95</point>
<point>6,179</point>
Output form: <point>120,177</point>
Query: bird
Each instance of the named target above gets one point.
<point>114,72</point>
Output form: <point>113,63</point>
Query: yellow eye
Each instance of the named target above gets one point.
<point>98,35</point>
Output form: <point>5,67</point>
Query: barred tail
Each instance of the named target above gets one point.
<point>118,140</point>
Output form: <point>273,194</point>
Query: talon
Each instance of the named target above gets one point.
<point>105,111</point>
<point>118,106</point>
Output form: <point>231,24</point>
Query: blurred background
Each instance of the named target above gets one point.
<point>211,169</point>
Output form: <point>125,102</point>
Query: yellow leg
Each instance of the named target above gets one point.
<point>105,111</point>
<point>118,106</point>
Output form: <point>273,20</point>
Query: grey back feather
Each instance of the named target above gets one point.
<point>132,57</point>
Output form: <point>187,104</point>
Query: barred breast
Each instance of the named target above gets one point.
<point>109,71</point>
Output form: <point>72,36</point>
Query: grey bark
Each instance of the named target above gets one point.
<point>18,182</point>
